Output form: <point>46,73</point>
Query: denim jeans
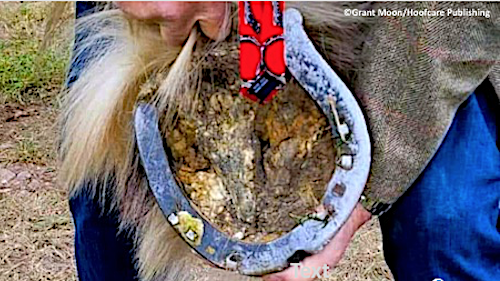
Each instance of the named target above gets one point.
<point>446,226</point>
<point>101,252</point>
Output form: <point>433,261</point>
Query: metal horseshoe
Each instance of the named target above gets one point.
<point>343,191</point>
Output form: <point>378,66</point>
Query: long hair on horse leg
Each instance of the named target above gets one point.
<point>163,255</point>
<point>97,108</point>
<point>98,142</point>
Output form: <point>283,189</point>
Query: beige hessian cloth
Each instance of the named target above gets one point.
<point>416,73</point>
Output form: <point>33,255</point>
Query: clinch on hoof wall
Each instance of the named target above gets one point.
<point>343,191</point>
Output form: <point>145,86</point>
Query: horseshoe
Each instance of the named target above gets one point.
<point>343,191</point>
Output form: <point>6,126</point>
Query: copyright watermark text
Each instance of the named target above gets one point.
<point>418,13</point>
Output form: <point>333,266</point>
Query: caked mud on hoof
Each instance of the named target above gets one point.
<point>243,157</point>
<point>252,170</point>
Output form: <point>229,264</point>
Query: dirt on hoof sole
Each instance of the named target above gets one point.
<point>253,170</point>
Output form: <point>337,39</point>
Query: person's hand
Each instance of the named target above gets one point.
<point>176,19</point>
<point>330,255</point>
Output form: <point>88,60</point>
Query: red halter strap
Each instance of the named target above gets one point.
<point>262,60</point>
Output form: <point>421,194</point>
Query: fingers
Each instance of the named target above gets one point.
<point>320,264</point>
<point>177,19</point>
<point>137,9</point>
<point>215,21</point>
<point>175,33</point>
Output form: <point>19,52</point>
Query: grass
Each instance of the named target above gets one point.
<point>31,138</point>
<point>36,234</point>
<point>364,258</point>
<point>30,68</point>
<point>26,73</point>
<point>34,53</point>
<point>28,150</point>
<point>36,231</point>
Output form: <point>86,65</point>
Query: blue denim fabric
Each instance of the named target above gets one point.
<point>101,253</point>
<point>447,224</point>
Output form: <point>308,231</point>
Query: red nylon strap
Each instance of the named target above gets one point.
<point>262,60</point>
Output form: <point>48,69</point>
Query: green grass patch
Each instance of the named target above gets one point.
<point>28,71</point>
<point>28,150</point>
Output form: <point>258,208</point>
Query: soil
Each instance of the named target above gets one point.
<point>253,170</point>
<point>28,133</point>
<point>36,231</point>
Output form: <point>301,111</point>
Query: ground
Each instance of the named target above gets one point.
<point>36,231</point>
<point>35,227</point>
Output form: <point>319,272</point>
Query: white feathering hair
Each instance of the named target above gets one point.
<point>98,144</point>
